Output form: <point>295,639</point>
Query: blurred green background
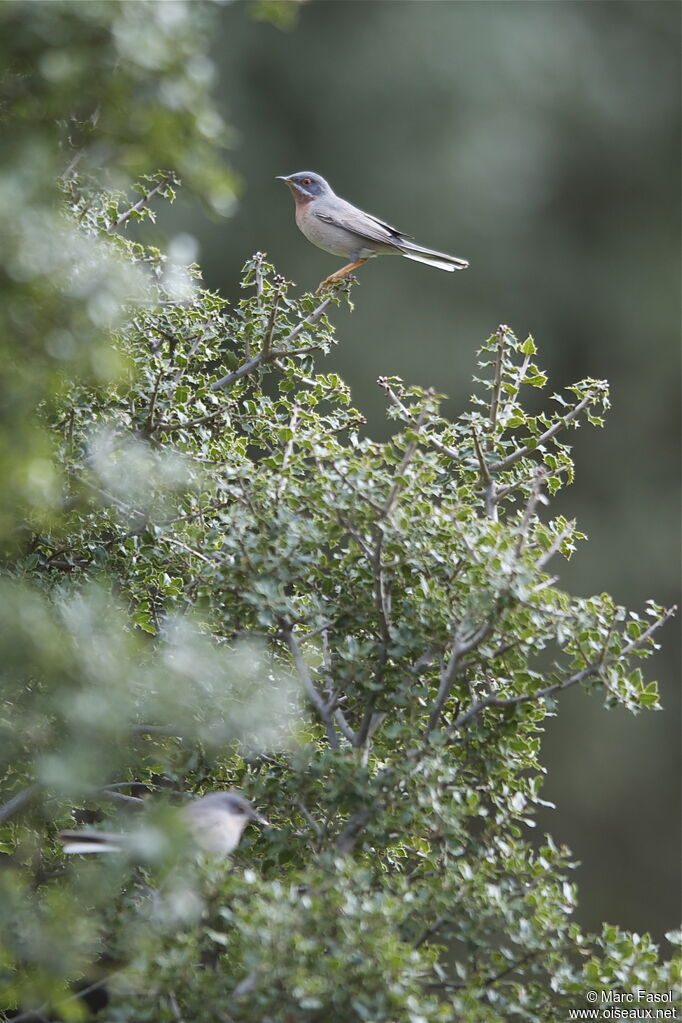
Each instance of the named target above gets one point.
<point>541,141</point>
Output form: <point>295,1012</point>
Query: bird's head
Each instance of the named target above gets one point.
<point>306,185</point>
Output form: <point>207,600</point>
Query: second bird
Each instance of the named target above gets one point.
<point>336,226</point>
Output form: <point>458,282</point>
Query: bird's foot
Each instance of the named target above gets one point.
<point>339,275</point>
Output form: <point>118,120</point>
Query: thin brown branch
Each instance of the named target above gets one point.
<point>351,832</point>
<point>501,332</point>
<point>430,931</point>
<point>270,355</point>
<point>270,327</point>
<point>143,202</point>
<point>560,425</point>
<point>181,370</point>
<point>556,687</point>
<point>490,490</point>
<point>409,418</point>
<point>405,461</point>
<point>309,817</point>
<point>31,1014</point>
<point>461,647</point>
<point>148,428</point>
<point>189,424</point>
<point>555,545</point>
<point>534,498</point>
<point>16,802</point>
<point>318,703</point>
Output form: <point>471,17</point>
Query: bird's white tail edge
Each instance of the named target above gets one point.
<point>450,264</point>
<point>90,847</point>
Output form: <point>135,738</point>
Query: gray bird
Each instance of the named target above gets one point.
<point>336,226</point>
<point>215,822</point>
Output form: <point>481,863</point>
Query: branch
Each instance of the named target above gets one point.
<point>501,332</point>
<point>447,679</point>
<point>349,835</point>
<point>459,648</point>
<point>170,730</point>
<point>555,545</point>
<point>16,802</point>
<point>268,354</point>
<point>304,674</point>
<point>41,1010</point>
<point>406,459</point>
<point>309,817</point>
<point>430,931</point>
<point>270,328</point>
<point>591,669</point>
<point>405,412</point>
<point>560,425</point>
<point>193,347</point>
<point>341,721</point>
<point>189,424</point>
<point>148,428</point>
<point>534,498</point>
<point>490,490</point>
<point>144,201</point>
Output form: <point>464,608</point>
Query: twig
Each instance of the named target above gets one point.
<point>31,1013</point>
<point>72,164</point>
<point>430,931</point>
<point>309,817</point>
<point>544,437</point>
<point>534,499</point>
<point>269,355</point>
<point>184,547</point>
<point>555,546</point>
<point>148,428</point>
<point>445,449</point>
<point>304,674</point>
<point>121,797</point>
<point>270,328</point>
<point>181,370</point>
<point>405,461</point>
<point>459,648</point>
<point>170,730</point>
<point>501,332</point>
<point>520,376</point>
<point>579,676</point>
<point>174,1007</point>
<point>16,802</point>
<point>490,490</point>
<point>189,424</point>
<point>141,203</point>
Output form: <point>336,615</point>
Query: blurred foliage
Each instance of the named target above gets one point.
<point>199,540</point>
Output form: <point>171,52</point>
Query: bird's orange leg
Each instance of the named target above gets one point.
<point>338,275</point>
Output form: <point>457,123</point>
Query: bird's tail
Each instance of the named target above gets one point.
<point>432,258</point>
<point>86,841</point>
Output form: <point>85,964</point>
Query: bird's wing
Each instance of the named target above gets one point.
<point>361,223</point>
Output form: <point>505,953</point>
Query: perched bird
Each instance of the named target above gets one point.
<point>336,226</point>
<point>215,822</point>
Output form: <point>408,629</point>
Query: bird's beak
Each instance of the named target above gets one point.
<point>295,189</point>
<point>260,819</point>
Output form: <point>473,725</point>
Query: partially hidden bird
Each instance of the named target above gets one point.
<point>215,822</point>
<point>337,226</point>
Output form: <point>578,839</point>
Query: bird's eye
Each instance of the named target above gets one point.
<point>307,181</point>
